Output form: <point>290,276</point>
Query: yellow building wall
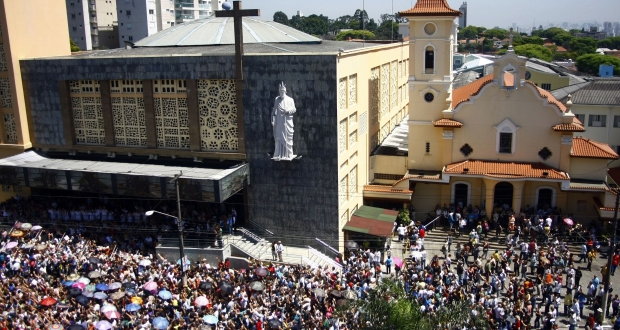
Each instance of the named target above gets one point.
<point>426,197</point>
<point>490,109</point>
<point>355,71</point>
<point>608,134</point>
<point>588,168</point>
<point>556,81</point>
<point>581,205</point>
<point>29,29</point>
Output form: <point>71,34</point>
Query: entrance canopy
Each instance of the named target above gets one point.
<point>31,169</point>
<point>372,221</point>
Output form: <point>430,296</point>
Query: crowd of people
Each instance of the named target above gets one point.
<point>70,275</point>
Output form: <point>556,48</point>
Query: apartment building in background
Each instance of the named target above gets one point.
<point>189,10</point>
<point>92,23</point>
<point>28,28</point>
<point>137,19</point>
<point>165,14</point>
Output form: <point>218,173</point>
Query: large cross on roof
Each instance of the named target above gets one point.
<point>237,13</point>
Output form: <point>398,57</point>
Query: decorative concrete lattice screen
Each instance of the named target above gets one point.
<point>353,157</point>
<point>363,123</point>
<point>218,115</point>
<point>352,90</point>
<point>353,138</point>
<point>400,94</point>
<point>344,165</point>
<point>3,64</point>
<point>400,68</point>
<point>342,136</point>
<point>393,122</point>
<point>344,218</point>
<point>385,130</point>
<point>353,182</point>
<point>5,93</point>
<point>10,129</point>
<point>374,95</point>
<point>352,119</point>
<point>393,88</point>
<point>87,112</point>
<point>126,86</point>
<point>385,90</point>
<point>172,122</point>
<point>342,190</point>
<point>342,93</point>
<point>129,121</point>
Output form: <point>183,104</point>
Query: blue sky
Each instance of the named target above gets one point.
<point>487,13</point>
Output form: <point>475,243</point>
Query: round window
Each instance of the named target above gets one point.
<point>429,97</point>
<point>430,28</point>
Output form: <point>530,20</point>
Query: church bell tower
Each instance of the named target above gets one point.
<point>432,41</point>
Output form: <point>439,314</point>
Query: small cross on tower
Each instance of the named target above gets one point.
<point>237,13</point>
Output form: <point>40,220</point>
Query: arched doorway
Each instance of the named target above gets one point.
<point>545,198</point>
<point>503,194</point>
<point>461,194</point>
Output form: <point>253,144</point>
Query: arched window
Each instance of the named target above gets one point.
<point>509,76</point>
<point>429,60</point>
<point>506,139</point>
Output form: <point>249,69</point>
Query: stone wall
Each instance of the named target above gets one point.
<point>296,200</point>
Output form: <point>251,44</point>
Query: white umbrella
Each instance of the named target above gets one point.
<point>107,308</point>
<point>84,280</point>
<point>145,263</point>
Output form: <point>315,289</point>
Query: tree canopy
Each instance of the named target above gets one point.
<point>536,51</point>
<point>355,34</point>
<point>74,46</point>
<point>582,46</point>
<point>611,43</point>
<point>497,33</point>
<point>280,17</point>
<point>590,63</point>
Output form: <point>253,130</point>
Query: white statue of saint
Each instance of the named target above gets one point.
<point>282,122</point>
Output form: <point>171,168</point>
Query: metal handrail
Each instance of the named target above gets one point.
<point>327,246</point>
<point>255,224</point>
<point>324,257</point>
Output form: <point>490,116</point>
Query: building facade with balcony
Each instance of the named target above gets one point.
<point>92,23</point>
<point>137,19</point>
<point>189,10</point>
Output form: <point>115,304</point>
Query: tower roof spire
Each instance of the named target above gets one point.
<point>431,8</point>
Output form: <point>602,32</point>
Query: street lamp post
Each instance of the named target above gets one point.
<point>179,225</point>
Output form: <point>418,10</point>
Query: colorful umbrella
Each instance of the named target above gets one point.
<point>115,286</point>
<point>257,286</point>
<point>89,294</point>
<point>49,301</point>
<point>117,295</point>
<point>132,307</point>
<point>568,221</point>
<point>11,245</point>
<point>201,301</point>
<point>102,287</point>
<point>94,274</point>
<point>83,280</point>
<point>100,296</point>
<point>67,283</point>
<point>28,246</point>
<point>397,261</point>
<point>75,292</point>
<point>160,323</point>
<point>37,227</point>
<point>75,327</point>
<point>73,277</point>
<point>210,319</point>
<point>108,308</point>
<point>128,285</point>
<point>113,315</point>
<point>17,225</point>
<point>136,300</point>
<point>26,226</point>
<point>91,287</point>
<point>55,327</point>
<point>150,286</point>
<point>17,233</point>
<point>82,300</point>
<point>165,294</point>
<point>103,325</point>
<point>262,272</point>
<point>79,285</point>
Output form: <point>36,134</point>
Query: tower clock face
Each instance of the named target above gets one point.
<point>429,97</point>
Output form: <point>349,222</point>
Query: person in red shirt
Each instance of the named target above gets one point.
<point>422,233</point>
<point>614,263</point>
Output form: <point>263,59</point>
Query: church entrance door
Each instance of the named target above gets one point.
<point>460,194</point>
<point>503,194</point>
<point>545,198</point>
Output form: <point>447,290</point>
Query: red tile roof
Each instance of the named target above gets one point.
<point>572,127</point>
<point>445,122</point>
<point>431,8</point>
<point>464,93</point>
<point>587,148</point>
<point>507,170</point>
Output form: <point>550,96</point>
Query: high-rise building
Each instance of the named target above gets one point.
<point>28,29</point>
<point>165,14</point>
<point>136,20</point>
<point>608,28</point>
<point>189,10</point>
<point>92,23</point>
<point>463,18</point>
<point>616,29</point>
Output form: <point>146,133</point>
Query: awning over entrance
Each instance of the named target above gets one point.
<point>372,221</point>
<point>31,169</point>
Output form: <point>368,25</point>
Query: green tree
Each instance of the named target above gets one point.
<point>280,17</point>
<point>361,16</point>
<point>562,39</point>
<point>496,33</point>
<point>611,43</point>
<point>533,40</point>
<point>372,25</point>
<point>387,30</point>
<point>536,51</point>
<point>315,25</point>
<point>469,32</point>
<point>403,217</point>
<point>296,22</point>
<point>355,34</point>
<point>582,46</point>
<point>74,46</point>
<point>590,63</point>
